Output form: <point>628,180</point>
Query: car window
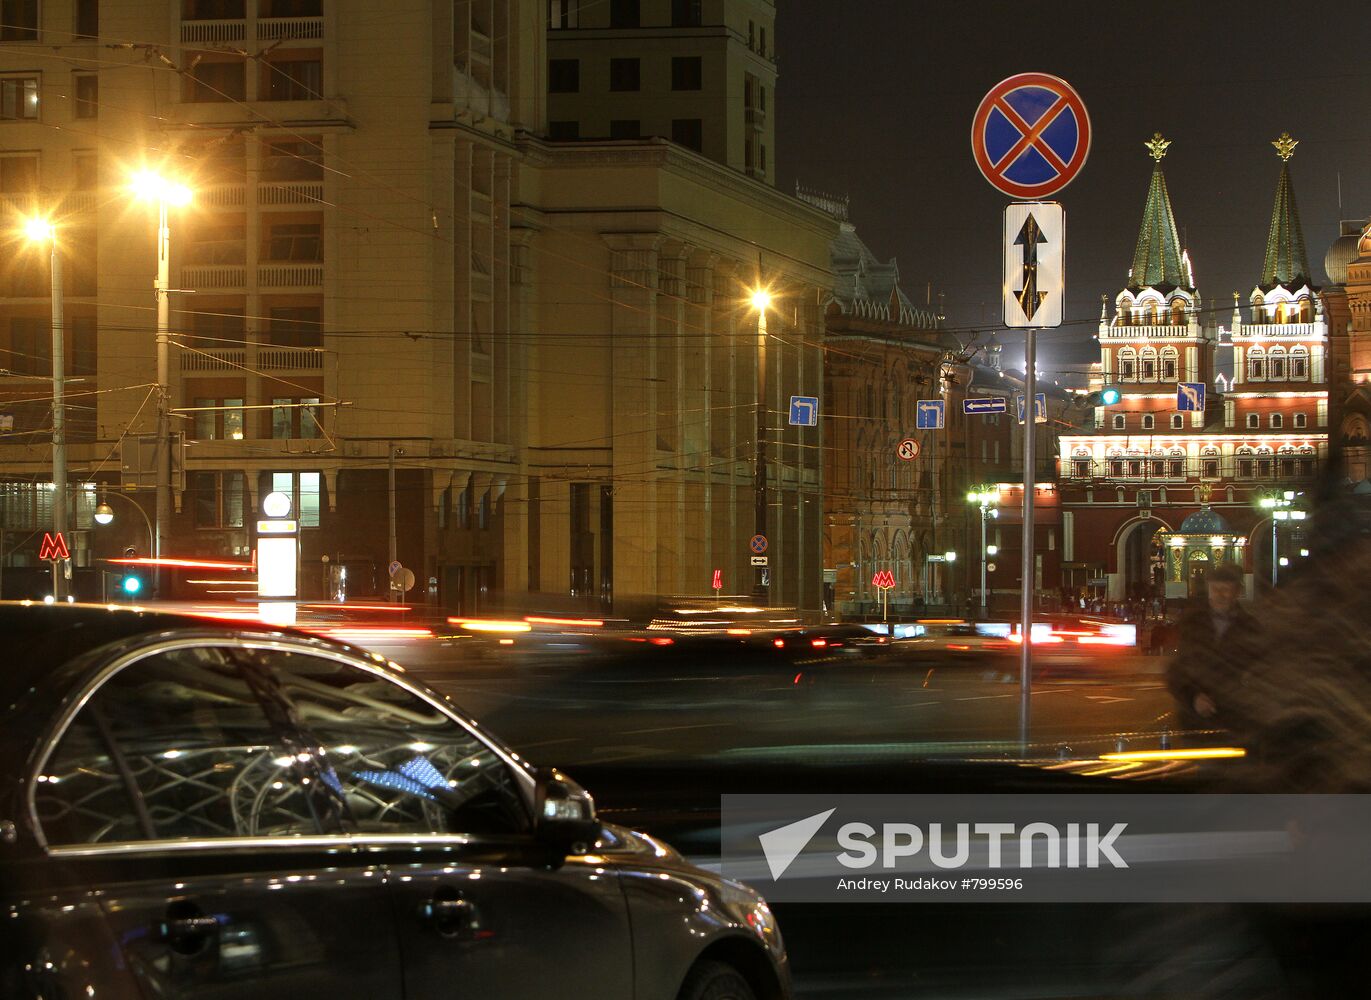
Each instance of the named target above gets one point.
<point>400,765</point>
<point>175,745</point>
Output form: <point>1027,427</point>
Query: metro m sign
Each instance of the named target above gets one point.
<point>54,547</point>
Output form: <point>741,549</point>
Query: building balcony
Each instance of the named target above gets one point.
<point>1160,331</point>
<point>1257,332</point>
<point>289,29</point>
<point>290,193</point>
<point>218,277</point>
<point>215,32</point>
<point>290,358</point>
<point>293,274</point>
<point>220,196</point>
<point>219,360</point>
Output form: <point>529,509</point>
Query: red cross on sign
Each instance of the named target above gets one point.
<point>1031,135</point>
<point>53,547</point>
<point>883,580</point>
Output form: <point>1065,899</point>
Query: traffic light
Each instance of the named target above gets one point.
<point>1108,396</point>
<point>131,585</point>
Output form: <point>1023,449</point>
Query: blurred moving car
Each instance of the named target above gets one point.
<point>222,809</point>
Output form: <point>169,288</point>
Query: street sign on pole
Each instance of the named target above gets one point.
<point>1034,270</point>
<point>981,405</point>
<point>930,415</point>
<point>908,449</point>
<point>1190,397</point>
<point>1039,407</point>
<point>759,560</point>
<point>1030,135</point>
<point>804,411</point>
<point>758,544</point>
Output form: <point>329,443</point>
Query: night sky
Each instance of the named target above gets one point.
<point>875,101</point>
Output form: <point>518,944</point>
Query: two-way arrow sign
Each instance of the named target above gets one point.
<point>1034,234</point>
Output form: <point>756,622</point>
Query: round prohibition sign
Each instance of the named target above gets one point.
<point>758,544</point>
<point>908,449</point>
<point>1031,135</point>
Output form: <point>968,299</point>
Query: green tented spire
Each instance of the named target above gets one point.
<point>1157,260</point>
<point>1286,263</point>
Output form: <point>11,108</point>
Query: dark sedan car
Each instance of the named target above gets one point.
<point>201,809</point>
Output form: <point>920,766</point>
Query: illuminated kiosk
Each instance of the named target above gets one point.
<point>278,559</point>
<point>1203,541</point>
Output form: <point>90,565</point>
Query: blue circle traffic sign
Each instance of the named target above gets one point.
<point>758,544</point>
<point>1031,135</point>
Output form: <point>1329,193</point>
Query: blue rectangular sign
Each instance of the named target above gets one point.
<point>930,415</point>
<point>985,404</point>
<point>1039,407</point>
<point>804,411</point>
<point>1190,397</point>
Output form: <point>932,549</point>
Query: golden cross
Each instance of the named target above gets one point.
<point>1157,146</point>
<point>1285,146</point>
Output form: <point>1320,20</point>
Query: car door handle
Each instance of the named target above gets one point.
<point>186,928</point>
<point>449,913</point>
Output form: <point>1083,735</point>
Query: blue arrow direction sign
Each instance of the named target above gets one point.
<point>1190,397</point>
<point>985,404</point>
<point>804,411</point>
<point>1039,407</point>
<point>930,414</point>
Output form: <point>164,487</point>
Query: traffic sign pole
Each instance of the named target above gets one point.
<point>1030,428</point>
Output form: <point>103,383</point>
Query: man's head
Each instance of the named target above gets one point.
<point>1224,583</point>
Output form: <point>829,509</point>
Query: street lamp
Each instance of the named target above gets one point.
<point>761,301</point>
<point>1279,503</point>
<point>152,187</point>
<point>40,231</point>
<point>988,498</point>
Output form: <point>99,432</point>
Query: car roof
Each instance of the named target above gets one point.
<point>39,638</point>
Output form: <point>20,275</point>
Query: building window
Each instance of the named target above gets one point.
<point>87,170</point>
<point>294,241</point>
<point>290,160</point>
<point>1275,367</point>
<point>293,417</point>
<point>1301,420</point>
<point>1135,467</point>
<point>87,18</point>
<point>305,490</point>
<point>1176,468</point>
<point>86,87</point>
<point>1148,421</point>
<point>624,74</point>
<point>1127,365</point>
<point>1299,364</point>
<point>687,73</point>
<point>1169,367</point>
<point>563,131</point>
<point>216,80</point>
<point>1253,421</point>
<point>685,13</point>
<point>563,13</point>
<point>18,175</point>
<point>19,98</point>
<point>624,13</point>
<point>213,10</point>
<point>1080,468</point>
<point>1116,468</point>
<point>1209,468</point>
<point>1158,469</point>
<point>625,128</point>
<point>563,76</point>
<point>688,132</point>
<point>1277,421</point>
<point>1256,365</point>
<point>751,36</point>
<point>1118,421</point>
<point>1177,422</point>
<point>218,499</point>
<point>1149,366</point>
<point>218,419</point>
<point>30,346</point>
<point>761,150</point>
<point>18,20</point>
<point>84,347</point>
<point>294,75</point>
<point>295,326</point>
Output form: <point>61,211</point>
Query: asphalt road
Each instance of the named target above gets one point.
<point>572,711</point>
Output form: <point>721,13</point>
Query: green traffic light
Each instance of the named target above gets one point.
<point>131,585</point>
<point>1110,395</point>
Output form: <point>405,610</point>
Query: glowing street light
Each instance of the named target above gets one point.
<point>988,498</point>
<point>41,231</point>
<point>149,186</point>
<point>761,301</point>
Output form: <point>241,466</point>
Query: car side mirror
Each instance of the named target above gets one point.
<point>565,814</point>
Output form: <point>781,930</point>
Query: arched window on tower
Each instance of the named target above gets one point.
<point>1306,310</point>
<point>1151,314</point>
<point>1282,312</point>
<point>1178,312</point>
<point>1275,364</point>
<point>1299,363</point>
<point>1128,362</point>
<point>1256,364</point>
<point>1148,421</point>
<point>1170,364</point>
<point>1147,364</point>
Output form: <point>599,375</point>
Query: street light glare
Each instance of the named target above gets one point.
<point>154,187</point>
<point>38,230</point>
<point>761,299</point>
<point>104,514</point>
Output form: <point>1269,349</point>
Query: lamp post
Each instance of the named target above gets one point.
<point>1279,505</point>
<point>42,231</point>
<point>104,514</point>
<point>988,498</point>
<point>761,301</point>
<point>155,188</point>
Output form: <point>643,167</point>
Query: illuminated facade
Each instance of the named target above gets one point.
<point>1134,483</point>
